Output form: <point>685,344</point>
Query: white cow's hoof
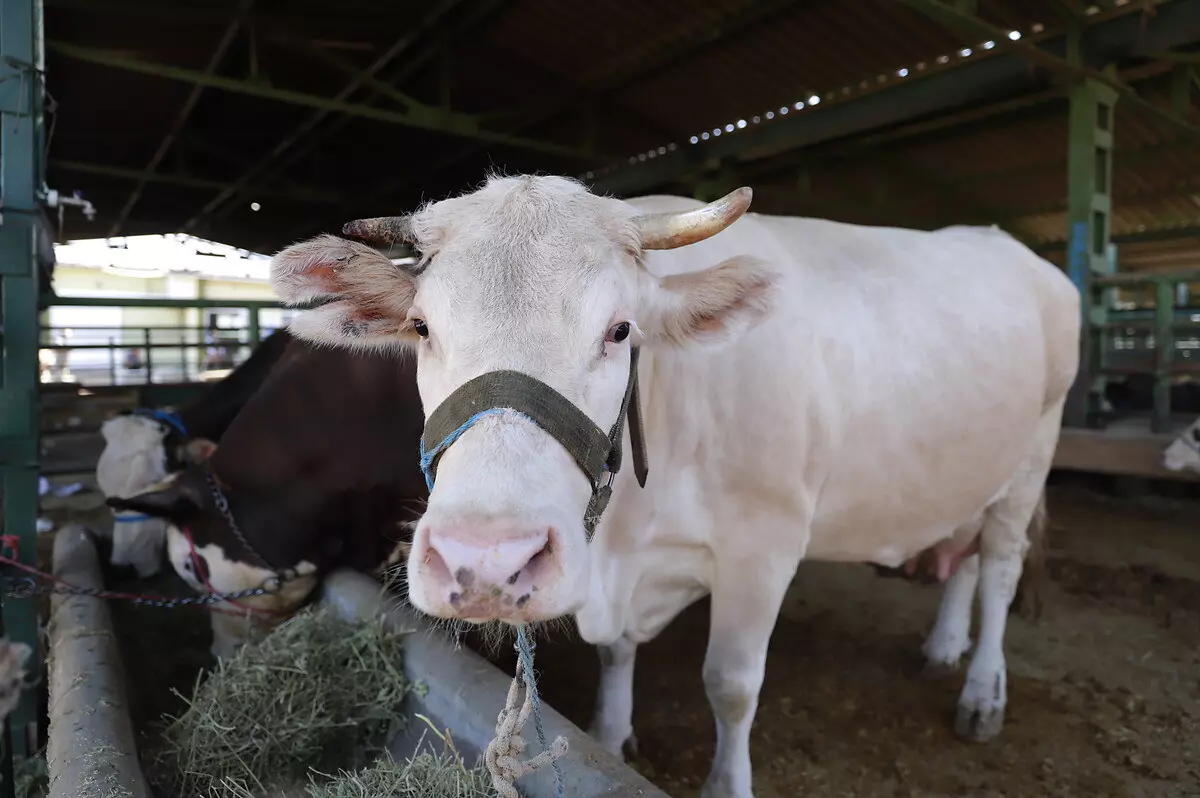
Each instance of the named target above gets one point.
<point>981,709</point>
<point>622,746</point>
<point>943,653</point>
<point>935,670</point>
<point>717,787</point>
<point>629,748</point>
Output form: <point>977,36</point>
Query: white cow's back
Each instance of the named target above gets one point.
<point>892,391</point>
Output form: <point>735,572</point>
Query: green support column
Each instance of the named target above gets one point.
<point>1089,207</point>
<point>1164,351</point>
<point>21,142</point>
<point>255,332</point>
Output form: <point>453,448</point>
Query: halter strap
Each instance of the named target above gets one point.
<point>598,454</point>
<point>166,417</point>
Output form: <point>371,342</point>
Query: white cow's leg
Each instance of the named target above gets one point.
<point>746,598</point>
<point>1001,559</point>
<point>139,544</point>
<point>612,725</point>
<point>951,634</point>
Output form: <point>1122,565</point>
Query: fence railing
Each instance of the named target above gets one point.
<point>133,354</point>
<point>1162,342</point>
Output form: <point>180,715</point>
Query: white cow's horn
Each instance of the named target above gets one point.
<point>671,230</point>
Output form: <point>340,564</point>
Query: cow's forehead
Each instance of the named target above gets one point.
<point>526,229</point>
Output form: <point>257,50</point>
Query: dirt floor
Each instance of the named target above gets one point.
<point>1104,693</point>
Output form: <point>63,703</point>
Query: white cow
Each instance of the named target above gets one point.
<point>135,459</point>
<point>1183,454</point>
<point>810,389</point>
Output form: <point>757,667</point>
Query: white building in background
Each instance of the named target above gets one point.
<point>173,266</point>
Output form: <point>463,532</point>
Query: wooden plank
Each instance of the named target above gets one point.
<point>1124,452</point>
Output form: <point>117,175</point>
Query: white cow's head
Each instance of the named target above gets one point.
<point>534,275</point>
<point>1184,452</point>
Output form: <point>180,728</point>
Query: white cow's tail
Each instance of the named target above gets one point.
<point>1028,600</point>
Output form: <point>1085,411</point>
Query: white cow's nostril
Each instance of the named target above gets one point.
<point>485,568</point>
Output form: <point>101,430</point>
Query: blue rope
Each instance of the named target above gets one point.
<point>427,457</point>
<point>525,652</point>
<point>130,519</point>
<point>523,646</point>
<point>166,417</point>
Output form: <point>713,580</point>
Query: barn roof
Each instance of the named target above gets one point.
<point>178,116</point>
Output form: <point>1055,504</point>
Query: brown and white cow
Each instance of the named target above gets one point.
<point>809,389</point>
<point>143,447</point>
<point>318,470</point>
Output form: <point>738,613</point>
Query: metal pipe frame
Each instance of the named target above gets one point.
<point>990,77</point>
<point>22,135</point>
<point>274,161</point>
<point>435,120</point>
<point>177,125</point>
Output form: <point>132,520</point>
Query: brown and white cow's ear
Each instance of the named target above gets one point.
<point>709,306</point>
<point>174,500</point>
<point>199,450</point>
<point>367,296</point>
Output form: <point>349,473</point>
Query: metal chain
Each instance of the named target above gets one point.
<point>222,504</point>
<point>23,587</point>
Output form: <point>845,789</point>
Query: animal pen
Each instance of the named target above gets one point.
<point>1074,126</point>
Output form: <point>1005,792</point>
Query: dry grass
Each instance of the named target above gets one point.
<point>318,693</point>
<point>425,776</point>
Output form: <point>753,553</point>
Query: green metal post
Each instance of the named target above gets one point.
<point>1164,351</point>
<point>1089,207</point>
<point>21,131</point>
<point>254,332</point>
<point>148,356</point>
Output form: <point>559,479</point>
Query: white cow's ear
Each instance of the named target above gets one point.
<point>709,306</point>
<point>366,297</point>
<point>199,450</point>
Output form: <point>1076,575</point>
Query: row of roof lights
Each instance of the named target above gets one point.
<point>815,99</point>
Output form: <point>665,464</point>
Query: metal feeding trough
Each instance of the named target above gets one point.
<point>466,692</point>
<point>92,751</point>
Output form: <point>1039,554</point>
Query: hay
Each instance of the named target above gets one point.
<point>425,776</point>
<point>317,694</point>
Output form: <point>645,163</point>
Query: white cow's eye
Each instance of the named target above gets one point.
<point>421,327</point>
<point>619,332</point>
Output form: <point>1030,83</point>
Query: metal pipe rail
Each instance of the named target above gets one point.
<point>147,346</point>
<point>1159,330</point>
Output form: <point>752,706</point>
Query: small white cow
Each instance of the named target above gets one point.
<point>1183,454</point>
<point>809,389</point>
<point>134,460</point>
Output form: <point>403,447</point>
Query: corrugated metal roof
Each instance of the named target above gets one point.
<point>652,75</point>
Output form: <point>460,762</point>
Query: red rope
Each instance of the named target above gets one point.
<point>203,574</point>
<point>12,543</point>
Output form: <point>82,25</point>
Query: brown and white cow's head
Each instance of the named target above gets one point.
<point>205,551</point>
<point>529,274</point>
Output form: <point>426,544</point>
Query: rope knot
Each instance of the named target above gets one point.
<point>503,754</point>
